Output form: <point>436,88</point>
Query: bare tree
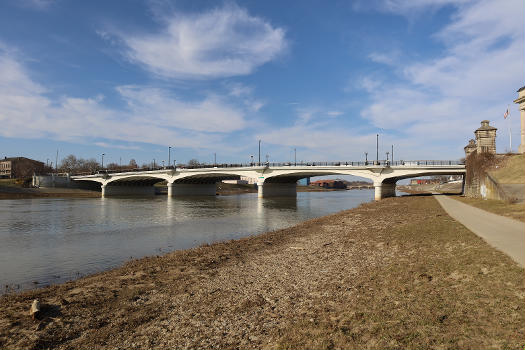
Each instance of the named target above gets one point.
<point>193,163</point>
<point>133,164</point>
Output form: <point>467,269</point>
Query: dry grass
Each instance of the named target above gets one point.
<point>512,210</point>
<point>399,273</point>
<point>511,170</point>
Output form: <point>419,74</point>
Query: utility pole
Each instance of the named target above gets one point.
<point>169,155</point>
<point>259,153</point>
<point>377,149</point>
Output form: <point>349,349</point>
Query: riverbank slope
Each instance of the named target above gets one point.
<point>395,273</point>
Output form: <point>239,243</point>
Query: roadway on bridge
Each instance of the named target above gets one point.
<point>506,235</point>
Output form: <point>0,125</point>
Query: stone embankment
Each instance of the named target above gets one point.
<point>399,273</point>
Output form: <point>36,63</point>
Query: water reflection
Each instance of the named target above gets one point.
<point>52,240</point>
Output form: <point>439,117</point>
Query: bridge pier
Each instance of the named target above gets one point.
<point>117,190</point>
<point>265,189</point>
<point>384,190</point>
<point>176,190</point>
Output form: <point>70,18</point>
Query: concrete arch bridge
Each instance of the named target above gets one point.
<point>272,180</point>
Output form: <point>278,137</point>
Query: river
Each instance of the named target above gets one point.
<point>51,240</point>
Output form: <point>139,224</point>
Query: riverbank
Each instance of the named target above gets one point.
<point>24,193</point>
<point>395,273</point>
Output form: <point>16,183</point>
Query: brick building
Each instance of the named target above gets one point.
<point>19,167</point>
<point>328,184</point>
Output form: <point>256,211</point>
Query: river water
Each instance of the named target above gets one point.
<point>47,241</point>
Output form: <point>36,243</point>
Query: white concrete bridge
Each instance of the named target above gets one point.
<point>273,180</point>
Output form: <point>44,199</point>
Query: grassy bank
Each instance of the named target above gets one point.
<point>512,210</point>
<point>398,273</point>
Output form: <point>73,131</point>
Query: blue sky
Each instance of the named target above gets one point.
<point>130,78</point>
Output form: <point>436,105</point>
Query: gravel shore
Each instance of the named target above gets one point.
<point>390,274</point>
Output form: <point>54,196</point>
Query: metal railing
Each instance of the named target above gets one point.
<point>381,163</point>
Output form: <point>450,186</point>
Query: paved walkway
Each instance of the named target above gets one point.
<point>506,235</point>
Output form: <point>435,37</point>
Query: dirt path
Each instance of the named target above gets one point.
<point>503,233</point>
<point>399,273</point>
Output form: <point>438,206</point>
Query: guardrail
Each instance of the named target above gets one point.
<point>283,164</point>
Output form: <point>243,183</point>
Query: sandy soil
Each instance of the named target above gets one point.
<point>399,273</point>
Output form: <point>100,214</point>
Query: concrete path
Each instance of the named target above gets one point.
<point>506,235</point>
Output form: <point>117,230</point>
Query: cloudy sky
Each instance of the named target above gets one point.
<point>130,78</point>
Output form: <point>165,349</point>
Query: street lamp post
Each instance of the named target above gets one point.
<point>103,154</point>
<point>377,149</point>
<point>387,157</point>
<point>251,159</point>
<point>392,154</point>
<point>214,159</point>
<point>259,153</point>
<point>169,155</point>
<point>366,158</point>
<point>295,156</point>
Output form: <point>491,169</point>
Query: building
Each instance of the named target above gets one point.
<point>19,167</point>
<point>329,184</point>
<point>243,180</point>
<point>424,181</point>
<point>485,138</point>
<point>471,147</point>
<point>521,101</point>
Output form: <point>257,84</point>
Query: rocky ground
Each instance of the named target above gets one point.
<point>398,273</point>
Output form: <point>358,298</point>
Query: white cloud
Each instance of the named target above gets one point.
<point>384,58</point>
<point>222,42</point>
<point>152,115</point>
<point>474,78</point>
<point>238,89</point>
<point>334,113</point>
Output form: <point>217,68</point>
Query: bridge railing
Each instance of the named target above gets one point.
<point>283,164</point>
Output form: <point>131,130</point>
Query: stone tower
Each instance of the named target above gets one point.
<point>486,138</point>
<point>521,101</point>
<point>471,147</point>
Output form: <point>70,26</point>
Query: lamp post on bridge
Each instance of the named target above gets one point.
<point>377,149</point>
<point>169,155</point>
<point>392,154</point>
<point>214,159</point>
<point>259,164</point>
<point>103,154</point>
<point>295,156</point>
<point>387,157</point>
<point>366,158</point>
<point>251,159</point>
